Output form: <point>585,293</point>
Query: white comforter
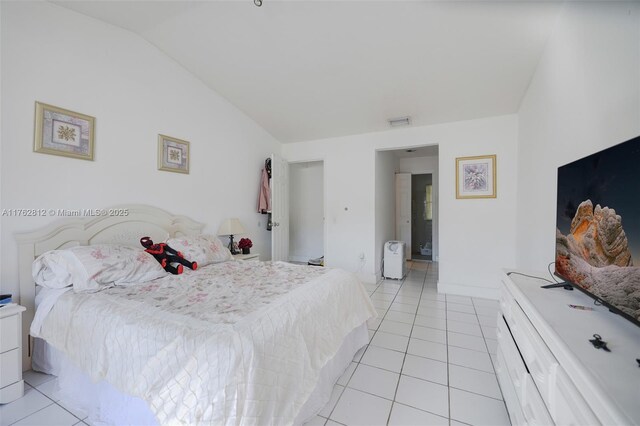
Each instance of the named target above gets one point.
<point>234,343</point>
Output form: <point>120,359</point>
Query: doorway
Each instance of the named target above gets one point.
<point>416,201</point>
<point>306,211</point>
<point>422,216</point>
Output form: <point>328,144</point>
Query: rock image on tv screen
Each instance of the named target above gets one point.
<point>598,226</point>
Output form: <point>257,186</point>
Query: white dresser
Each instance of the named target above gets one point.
<point>548,370</point>
<point>11,384</point>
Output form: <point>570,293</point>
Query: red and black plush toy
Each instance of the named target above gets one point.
<point>166,256</point>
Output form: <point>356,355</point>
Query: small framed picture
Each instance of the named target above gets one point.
<point>476,177</point>
<point>173,154</point>
<point>62,132</point>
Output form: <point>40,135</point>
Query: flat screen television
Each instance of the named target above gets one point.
<point>598,227</point>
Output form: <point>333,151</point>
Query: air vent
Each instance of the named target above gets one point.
<point>401,121</point>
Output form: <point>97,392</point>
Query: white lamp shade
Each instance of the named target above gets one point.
<point>231,227</point>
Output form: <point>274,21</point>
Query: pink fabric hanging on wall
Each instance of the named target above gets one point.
<point>264,198</point>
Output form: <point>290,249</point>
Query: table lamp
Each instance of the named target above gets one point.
<point>231,227</point>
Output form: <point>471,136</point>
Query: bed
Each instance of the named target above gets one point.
<point>231,343</point>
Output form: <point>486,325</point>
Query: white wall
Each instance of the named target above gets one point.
<point>422,165</point>
<point>584,97</point>
<point>349,203</point>
<point>1,126</point>
<point>385,204</point>
<point>306,210</point>
<point>56,56</point>
<point>477,237</point>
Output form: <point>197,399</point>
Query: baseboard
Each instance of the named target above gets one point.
<point>469,290</point>
<point>294,258</point>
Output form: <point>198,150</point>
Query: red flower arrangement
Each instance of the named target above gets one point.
<point>245,243</point>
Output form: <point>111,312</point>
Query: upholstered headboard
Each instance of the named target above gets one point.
<point>124,225</point>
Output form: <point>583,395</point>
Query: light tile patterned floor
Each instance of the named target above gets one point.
<point>429,362</point>
<point>40,405</point>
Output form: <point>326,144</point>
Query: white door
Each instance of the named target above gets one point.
<point>403,211</point>
<point>279,208</point>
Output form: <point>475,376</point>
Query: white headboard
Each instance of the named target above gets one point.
<point>124,224</point>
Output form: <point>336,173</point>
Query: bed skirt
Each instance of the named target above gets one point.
<point>104,404</point>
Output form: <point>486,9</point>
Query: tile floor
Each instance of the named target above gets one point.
<point>429,362</point>
<point>40,405</point>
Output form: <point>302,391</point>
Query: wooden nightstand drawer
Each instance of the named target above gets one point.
<point>9,333</point>
<point>11,371</point>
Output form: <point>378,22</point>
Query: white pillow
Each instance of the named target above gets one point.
<point>204,249</point>
<point>90,267</point>
<point>52,270</point>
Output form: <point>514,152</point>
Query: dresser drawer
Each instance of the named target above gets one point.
<point>513,363</point>
<point>539,359</point>
<point>534,410</point>
<point>9,333</point>
<point>509,392</point>
<point>567,405</point>
<point>506,300</point>
<point>10,367</point>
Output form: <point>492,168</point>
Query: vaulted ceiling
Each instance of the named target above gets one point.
<point>309,70</point>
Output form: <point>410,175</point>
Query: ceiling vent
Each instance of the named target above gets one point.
<point>399,122</point>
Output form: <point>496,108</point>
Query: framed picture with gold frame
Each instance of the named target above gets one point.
<point>476,177</point>
<point>173,154</point>
<point>59,131</point>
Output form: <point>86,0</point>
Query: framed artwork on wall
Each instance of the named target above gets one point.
<point>59,131</point>
<point>476,177</point>
<point>173,154</point>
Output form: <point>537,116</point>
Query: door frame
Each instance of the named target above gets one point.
<point>436,226</point>
<point>408,255</point>
<point>324,200</point>
<point>279,168</point>
<point>433,222</point>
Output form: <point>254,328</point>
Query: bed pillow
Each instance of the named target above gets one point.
<point>204,249</point>
<point>52,270</point>
<point>91,267</point>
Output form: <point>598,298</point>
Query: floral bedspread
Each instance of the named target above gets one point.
<point>232,343</point>
<point>223,293</point>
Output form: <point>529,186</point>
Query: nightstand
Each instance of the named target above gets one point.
<point>251,256</point>
<point>11,384</point>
